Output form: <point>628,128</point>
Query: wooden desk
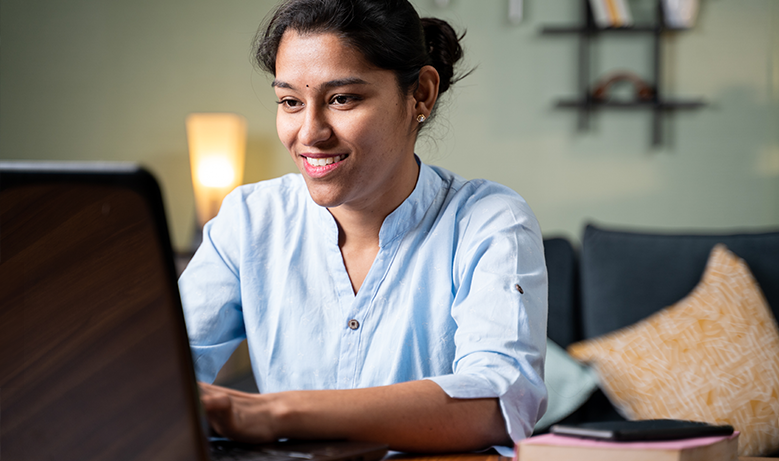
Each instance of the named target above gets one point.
<point>448,457</point>
<point>495,457</point>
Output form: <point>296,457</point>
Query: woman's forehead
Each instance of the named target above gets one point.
<point>320,56</point>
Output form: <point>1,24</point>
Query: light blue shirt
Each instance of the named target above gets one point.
<point>457,294</point>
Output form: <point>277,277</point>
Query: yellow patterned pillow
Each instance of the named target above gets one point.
<point>713,356</point>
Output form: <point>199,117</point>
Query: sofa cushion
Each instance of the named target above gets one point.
<point>713,356</point>
<point>627,276</point>
<point>561,266</point>
<point>568,383</point>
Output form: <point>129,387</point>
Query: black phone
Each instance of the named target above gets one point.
<point>649,429</point>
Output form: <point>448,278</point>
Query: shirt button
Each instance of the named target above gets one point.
<point>354,324</point>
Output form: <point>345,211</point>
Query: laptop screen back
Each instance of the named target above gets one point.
<point>95,362</point>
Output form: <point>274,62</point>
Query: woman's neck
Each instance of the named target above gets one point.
<point>360,223</point>
<point>359,227</point>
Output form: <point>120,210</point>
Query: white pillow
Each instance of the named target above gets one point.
<point>568,382</point>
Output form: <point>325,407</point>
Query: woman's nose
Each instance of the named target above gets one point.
<point>315,128</point>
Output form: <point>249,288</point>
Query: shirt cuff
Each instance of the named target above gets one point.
<point>508,452</point>
<point>521,404</point>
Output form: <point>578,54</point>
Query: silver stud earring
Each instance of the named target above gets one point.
<point>421,118</point>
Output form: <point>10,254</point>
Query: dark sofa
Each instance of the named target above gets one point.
<point>617,278</point>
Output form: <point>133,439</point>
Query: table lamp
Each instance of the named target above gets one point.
<point>217,148</point>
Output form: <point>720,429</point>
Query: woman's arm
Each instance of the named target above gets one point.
<point>416,416</point>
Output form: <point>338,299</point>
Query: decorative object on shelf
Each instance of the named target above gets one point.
<point>586,103</point>
<point>643,92</point>
<point>515,11</point>
<point>611,13</point>
<point>217,146</point>
<point>680,14</point>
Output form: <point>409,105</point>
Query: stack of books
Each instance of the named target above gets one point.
<point>642,444</point>
<point>611,13</point>
<point>679,14</point>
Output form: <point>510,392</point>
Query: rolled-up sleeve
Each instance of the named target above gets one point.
<point>500,308</point>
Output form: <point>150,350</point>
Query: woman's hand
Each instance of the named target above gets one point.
<point>239,415</point>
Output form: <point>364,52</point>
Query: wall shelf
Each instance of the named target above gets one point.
<point>658,105</point>
<point>585,103</point>
<point>583,29</point>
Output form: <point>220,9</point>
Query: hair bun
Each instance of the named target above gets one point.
<point>443,47</point>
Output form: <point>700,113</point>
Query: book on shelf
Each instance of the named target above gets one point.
<point>680,14</point>
<point>611,13</point>
<point>553,447</point>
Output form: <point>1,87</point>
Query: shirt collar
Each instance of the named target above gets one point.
<point>409,214</point>
<point>405,217</point>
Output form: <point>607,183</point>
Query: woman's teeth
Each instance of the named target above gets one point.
<point>324,161</point>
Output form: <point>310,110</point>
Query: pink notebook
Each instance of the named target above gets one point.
<point>683,444</point>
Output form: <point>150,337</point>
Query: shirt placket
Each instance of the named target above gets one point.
<point>355,330</point>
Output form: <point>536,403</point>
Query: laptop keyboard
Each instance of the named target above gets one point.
<point>226,450</point>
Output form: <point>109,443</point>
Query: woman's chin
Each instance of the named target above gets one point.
<point>324,196</point>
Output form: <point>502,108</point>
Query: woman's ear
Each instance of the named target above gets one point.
<point>426,93</point>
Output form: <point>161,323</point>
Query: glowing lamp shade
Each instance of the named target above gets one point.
<point>217,148</point>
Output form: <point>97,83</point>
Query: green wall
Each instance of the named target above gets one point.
<point>114,80</point>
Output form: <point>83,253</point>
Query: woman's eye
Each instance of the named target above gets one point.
<point>289,103</point>
<point>342,99</point>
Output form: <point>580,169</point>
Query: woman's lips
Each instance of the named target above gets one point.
<point>324,161</point>
<point>318,166</point>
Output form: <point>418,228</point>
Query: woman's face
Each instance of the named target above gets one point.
<point>345,124</point>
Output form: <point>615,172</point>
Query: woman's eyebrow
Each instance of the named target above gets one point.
<point>327,85</point>
<point>343,82</point>
<point>279,84</point>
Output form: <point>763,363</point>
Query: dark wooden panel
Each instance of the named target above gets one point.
<point>89,368</point>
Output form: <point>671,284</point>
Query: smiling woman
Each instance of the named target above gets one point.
<point>334,105</point>
<point>382,299</point>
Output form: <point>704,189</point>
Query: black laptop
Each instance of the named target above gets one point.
<point>95,362</point>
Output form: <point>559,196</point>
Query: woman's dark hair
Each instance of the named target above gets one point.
<point>388,33</point>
